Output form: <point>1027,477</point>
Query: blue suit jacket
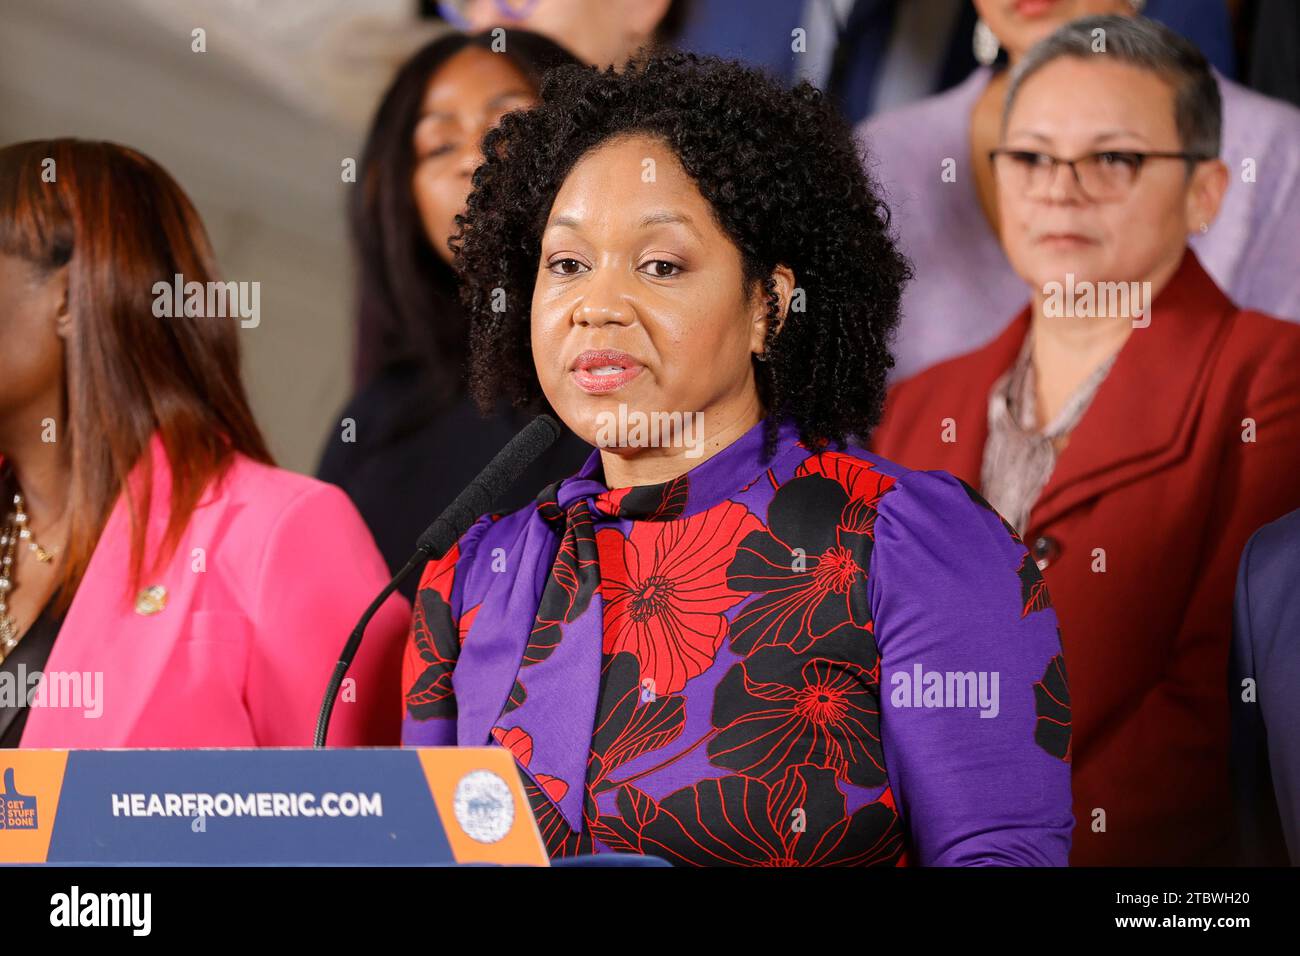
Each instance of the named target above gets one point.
<point>1266,732</point>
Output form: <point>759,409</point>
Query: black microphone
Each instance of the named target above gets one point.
<point>477,498</point>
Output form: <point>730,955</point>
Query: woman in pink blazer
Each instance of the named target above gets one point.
<point>162,584</point>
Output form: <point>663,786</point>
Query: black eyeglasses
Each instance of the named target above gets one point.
<point>1102,176</point>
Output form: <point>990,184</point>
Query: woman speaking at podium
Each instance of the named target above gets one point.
<point>734,637</point>
<point>161,583</point>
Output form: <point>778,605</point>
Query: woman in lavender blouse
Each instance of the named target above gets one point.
<point>931,161</point>
<point>734,637</point>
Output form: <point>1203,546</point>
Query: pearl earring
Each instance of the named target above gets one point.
<point>985,43</point>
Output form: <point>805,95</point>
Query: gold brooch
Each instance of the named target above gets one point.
<point>151,600</point>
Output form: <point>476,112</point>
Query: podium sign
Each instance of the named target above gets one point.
<point>436,805</point>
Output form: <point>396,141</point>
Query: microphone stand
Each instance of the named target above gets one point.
<point>481,493</point>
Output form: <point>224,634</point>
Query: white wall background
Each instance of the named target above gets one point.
<point>254,130</point>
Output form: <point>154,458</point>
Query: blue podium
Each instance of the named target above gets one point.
<point>367,806</point>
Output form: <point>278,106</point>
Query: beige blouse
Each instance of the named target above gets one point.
<point>1018,459</point>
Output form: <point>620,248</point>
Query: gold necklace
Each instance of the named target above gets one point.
<point>15,531</point>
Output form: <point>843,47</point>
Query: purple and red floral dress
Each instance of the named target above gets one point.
<point>817,659</point>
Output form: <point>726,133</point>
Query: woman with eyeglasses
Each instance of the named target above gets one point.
<point>1132,422</point>
<point>933,168</point>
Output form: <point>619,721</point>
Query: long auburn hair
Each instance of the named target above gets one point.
<point>408,302</point>
<point>120,223</point>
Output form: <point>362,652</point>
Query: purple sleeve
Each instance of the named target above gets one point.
<point>975,719</point>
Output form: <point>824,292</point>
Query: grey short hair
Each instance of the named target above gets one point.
<point>1198,105</point>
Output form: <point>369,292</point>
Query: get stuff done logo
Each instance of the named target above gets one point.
<point>17,810</point>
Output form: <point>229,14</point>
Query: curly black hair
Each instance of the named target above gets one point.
<point>783,175</point>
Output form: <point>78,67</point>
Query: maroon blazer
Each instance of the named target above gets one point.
<point>1158,482</point>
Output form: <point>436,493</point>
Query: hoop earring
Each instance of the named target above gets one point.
<point>985,43</point>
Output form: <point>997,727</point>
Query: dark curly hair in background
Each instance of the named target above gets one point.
<point>782,173</point>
